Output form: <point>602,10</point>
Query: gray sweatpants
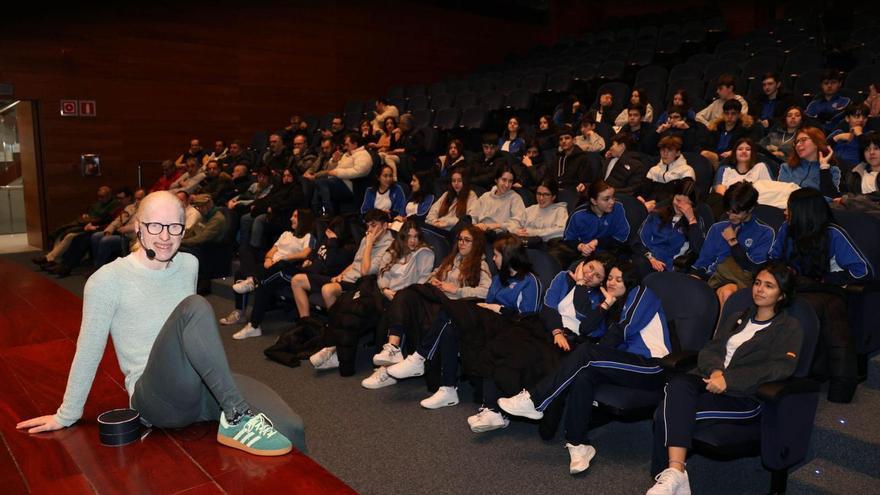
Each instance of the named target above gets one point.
<point>187,378</point>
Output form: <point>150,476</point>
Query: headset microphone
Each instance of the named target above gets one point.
<point>150,253</point>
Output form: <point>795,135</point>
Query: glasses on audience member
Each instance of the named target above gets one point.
<point>802,140</point>
<point>466,240</point>
<point>543,194</point>
<point>156,228</point>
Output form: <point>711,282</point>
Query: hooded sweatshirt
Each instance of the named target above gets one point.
<point>678,169</point>
<point>498,208</point>
<point>546,223</point>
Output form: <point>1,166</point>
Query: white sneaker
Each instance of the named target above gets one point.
<point>444,396</point>
<point>487,420</point>
<point>379,379</point>
<point>325,359</point>
<point>236,316</point>
<point>247,331</point>
<point>520,405</point>
<point>413,365</point>
<point>390,354</point>
<point>581,455</point>
<point>671,482</point>
<point>244,286</point>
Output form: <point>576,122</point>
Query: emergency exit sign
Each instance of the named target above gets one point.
<point>81,108</point>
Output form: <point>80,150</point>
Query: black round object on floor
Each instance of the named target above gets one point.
<point>119,427</point>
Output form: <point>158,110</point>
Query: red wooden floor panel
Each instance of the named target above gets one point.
<point>33,375</point>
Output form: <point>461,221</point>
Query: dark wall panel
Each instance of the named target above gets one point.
<point>160,79</point>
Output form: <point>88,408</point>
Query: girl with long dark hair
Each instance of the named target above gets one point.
<point>759,345</point>
<point>420,199</point>
<point>824,259</point>
<point>386,194</point>
<point>454,204</point>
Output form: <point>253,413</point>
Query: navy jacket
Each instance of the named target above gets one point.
<point>666,241</point>
<point>584,226</point>
<point>398,200</point>
<point>586,301</point>
<point>755,238</point>
<point>519,296</point>
<point>845,262</point>
<point>642,328</point>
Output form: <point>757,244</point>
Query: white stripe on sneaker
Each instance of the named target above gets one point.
<point>253,440</point>
<point>241,434</point>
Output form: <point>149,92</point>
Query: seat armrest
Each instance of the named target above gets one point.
<point>774,390</point>
<point>679,361</point>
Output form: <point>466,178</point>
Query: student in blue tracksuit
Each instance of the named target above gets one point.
<point>735,248</point>
<point>828,107</point>
<point>845,139</point>
<point>571,312</point>
<point>386,195</point>
<point>628,355</point>
<point>810,163</point>
<point>420,199</point>
<point>672,231</point>
<point>600,225</point>
<point>824,258</point>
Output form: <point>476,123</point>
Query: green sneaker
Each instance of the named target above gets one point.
<point>254,435</point>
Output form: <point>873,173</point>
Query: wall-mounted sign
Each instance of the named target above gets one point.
<point>87,108</point>
<point>69,108</point>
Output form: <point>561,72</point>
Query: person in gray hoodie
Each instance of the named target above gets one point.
<point>496,208</point>
<point>543,221</point>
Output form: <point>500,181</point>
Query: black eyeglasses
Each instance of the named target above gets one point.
<point>466,240</point>
<point>156,228</point>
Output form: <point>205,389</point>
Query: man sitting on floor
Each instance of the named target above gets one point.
<point>168,346</point>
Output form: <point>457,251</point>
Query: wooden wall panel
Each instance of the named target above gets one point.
<point>161,78</point>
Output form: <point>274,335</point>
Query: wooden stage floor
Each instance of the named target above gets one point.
<point>39,322</point>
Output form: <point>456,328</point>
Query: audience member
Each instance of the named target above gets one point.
<point>588,139</point>
<point>770,106</point>
<point>823,258</point>
<point>751,348</point>
<point>495,208</point>
<point>384,110</point>
<point>283,260</point>
<point>736,247</point>
<point>277,157</point>
<point>512,141</point>
<point>672,235</point>
<point>335,185</point>
<point>845,139</point>
<point>191,180</point>
<point>621,169</point>
<point>810,164</point>
<point>780,138</point>
<point>732,126</point>
<point>195,151</point>
<point>455,205</point>
<point>828,106</point>
<point>636,99</point>
<point>116,237</point>
<point>726,89</point>
<point>543,221</point>
<point>385,195</point>
<point>170,174</point>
